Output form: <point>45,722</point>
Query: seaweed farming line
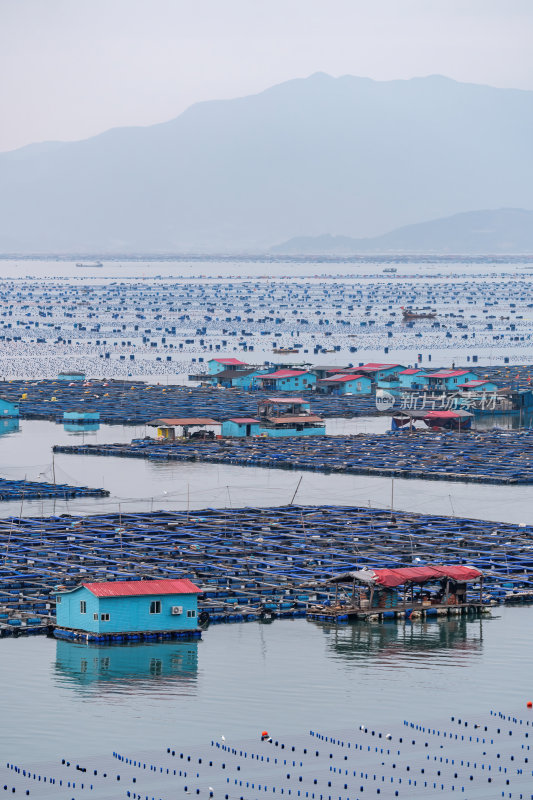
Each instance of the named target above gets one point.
<point>487,756</point>
<point>249,563</point>
<point>33,490</point>
<point>493,457</point>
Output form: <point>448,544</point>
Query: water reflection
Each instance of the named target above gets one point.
<point>128,667</point>
<point>415,644</point>
<point>9,425</point>
<point>84,427</point>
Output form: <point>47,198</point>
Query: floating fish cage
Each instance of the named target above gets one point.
<point>128,403</point>
<point>494,457</point>
<point>250,563</point>
<point>32,490</point>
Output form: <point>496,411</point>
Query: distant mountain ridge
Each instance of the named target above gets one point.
<point>500,231</point>
<point>300,158</point>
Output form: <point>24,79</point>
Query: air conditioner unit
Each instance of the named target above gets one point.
<point>176,610</point>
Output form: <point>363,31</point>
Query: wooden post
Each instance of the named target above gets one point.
<point>481,590</point>
<point>353,593</point>
<point>371,597</point>
<point>336,593</point>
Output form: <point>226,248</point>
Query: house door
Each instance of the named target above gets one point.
<point>248,430</point>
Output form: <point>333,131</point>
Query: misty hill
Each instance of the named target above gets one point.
<point>505,230</point>
<point>344,154</point>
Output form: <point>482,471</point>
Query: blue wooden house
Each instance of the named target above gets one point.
<point>215,365</point>
<point>449,379</point>
<point>287,380</point>
<point>127,609</point>
<point>345,384</point>
<point>478,386</point>
<point>377,372</point>
<point>8,410</point>
<point>241,426</point>
<point>413,378</point>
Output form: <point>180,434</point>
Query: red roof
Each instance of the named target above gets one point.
<point>375,367</point>
<point>244,420</point>
<point>133,588</point>
<point>395,577</point>
<point>449,373</point>
<point>343,378</point>
<point>411,371</point>
<point>229,361</point>
<point>283,373</point>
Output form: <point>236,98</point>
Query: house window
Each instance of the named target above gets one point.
<point>191,612</point>
<point>95,617</point>
<point>104,617</point>
<point>58,599</point>
<point>83,606</point>
<point>155,607</point>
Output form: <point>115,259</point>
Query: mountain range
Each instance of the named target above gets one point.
<point>310,155</point>
<point>500,231</point>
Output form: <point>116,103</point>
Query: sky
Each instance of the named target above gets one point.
<point>71,69</point>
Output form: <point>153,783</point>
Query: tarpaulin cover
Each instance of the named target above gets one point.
<point>395,577</point>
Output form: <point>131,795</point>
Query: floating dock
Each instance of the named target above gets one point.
<point>250,563</point>
<point>498,457</point>
<point>32,490</point>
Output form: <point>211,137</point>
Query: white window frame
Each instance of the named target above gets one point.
<point>191,613</point>
<point>105,616</point>
<point>157,606</point>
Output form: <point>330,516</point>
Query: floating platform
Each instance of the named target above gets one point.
<point>417,611</point>
<point>32,490</point>
<point>250,563</point>
<point>72,634</point>
<point>491,457</point>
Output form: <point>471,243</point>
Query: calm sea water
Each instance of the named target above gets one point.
<point>141,485</point>
<point>65,699</point>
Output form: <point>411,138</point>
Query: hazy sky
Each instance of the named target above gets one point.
<point>72,68</point>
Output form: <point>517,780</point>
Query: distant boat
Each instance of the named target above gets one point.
<point>284,350</point>
<point>90,266</point>
<point>390,269</point>
<point>413,313</point>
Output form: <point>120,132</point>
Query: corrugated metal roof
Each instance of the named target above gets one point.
<point>244,420</point>
<point>284,373</point>
<point>135,588</point>
<point>449,373</point>
<point>343,378</point>
<point>411,371</point>
<point>371,367</point>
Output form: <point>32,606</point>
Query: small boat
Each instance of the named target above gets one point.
<point>284,350</point>
<point>97,264</point>
<point>413,313</point>
<point>390,269</point>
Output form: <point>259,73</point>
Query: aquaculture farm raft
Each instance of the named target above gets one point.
<point>409,593</point>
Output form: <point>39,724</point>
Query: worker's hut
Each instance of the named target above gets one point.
<point>345,384</point>
<point>215,365</point>
<point>449,379</point>
<point>114,608</point>
<point>170,428</point>
<point>287,380</point>
<point>405,591</point>
<point>478,386</point>
<point>71,376</point>
<point>8,410</point>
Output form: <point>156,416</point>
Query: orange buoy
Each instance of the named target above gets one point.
<point>529,704</point>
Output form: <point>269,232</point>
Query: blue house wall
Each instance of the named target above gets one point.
<point>71,376</point>
<point>231,428</point>
<point>452,382</point>
<point>81,416</point>
<point>417,381</point>
<point>8,409</point>
<point>126,614</point>
<point>280,432</point>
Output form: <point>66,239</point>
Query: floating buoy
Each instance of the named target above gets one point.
<point>529,704</point>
